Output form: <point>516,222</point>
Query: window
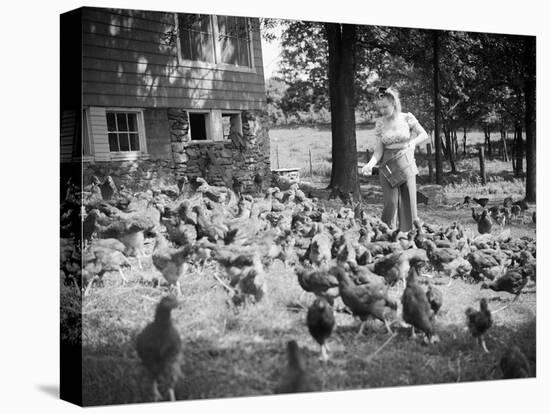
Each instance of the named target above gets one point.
<point>198,126</point>
<point>215,39</point>
<point>233,38</point>
<point>196,37</point>
<point>231,124</point>
<point>123,132</point>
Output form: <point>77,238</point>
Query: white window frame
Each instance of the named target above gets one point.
<point>214,133</point>
<point>224,112</point>
<point>101,136</point>
<point>217,55</point>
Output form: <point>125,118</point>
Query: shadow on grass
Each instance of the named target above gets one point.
<point>251,368</point>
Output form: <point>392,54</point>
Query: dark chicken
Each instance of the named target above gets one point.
<point>159,348</point>
<point>295,379</point>
<point>320,322</point>
<point>368,299</point>
<point>512,282</point>
<point>479,322</point>
<point>514,364</point>
<point>417,310</point>
<point>318,281</point>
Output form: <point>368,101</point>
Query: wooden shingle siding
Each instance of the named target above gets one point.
<point>68,133</point>
<point>126,63</point>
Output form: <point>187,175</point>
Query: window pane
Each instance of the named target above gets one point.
<point>243,52</point>
<point>222,24</point>
<point>113,142</point>
<point>124,142</point>
<point>111,124</point>
<point>134,142</point>
<point>132,122</point>
<point>122,123</point>
<point>229,50</point>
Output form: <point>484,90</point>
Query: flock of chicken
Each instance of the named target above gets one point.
<point>345,256</point>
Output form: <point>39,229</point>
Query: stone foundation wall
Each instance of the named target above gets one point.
<point>241,157</point>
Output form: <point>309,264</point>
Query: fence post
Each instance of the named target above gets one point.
<point>277,150</point>
<point>482,165</point>
<point>430,166</point>
<point>310,164</point>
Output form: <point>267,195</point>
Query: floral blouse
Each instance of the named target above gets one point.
<point>404,130</point>
<point>400,133</point>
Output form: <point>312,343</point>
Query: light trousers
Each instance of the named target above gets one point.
<point>399,201</point>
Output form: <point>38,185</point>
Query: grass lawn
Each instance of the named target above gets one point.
<point>229,352</point>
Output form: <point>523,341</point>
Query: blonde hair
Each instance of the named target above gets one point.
<point>392,95</point>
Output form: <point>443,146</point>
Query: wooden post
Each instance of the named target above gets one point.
<point>482,165</point>
<point>430,166</point>
<point>504,147</point>
<point>277,150</point>
<point>310,164</point>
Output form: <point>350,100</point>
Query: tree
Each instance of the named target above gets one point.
<point>341,73</point>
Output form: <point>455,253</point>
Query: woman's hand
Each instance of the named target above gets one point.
<point>367,169</point>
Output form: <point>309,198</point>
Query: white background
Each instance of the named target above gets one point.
<point>29,133</point>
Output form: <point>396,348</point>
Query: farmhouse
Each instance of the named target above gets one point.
<point>148,97</point>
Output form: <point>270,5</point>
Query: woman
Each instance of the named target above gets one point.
<point>397,134</point>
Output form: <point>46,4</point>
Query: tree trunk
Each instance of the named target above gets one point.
<point>529,61</point>
<point>449,146</point>
<point>519,150</point>
<point>488,139</point>
<point>437,110</point>
<point>341,46</point>
<point>464,142</point>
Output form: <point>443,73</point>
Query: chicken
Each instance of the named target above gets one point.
<point>99,259</point>
<point>320,322</point>
<point>295,379</point>
<point>205,228</point>
<point>180,233</point>
<point>484,224</point>
<point>479,322</point>
<point>514,364</point>
<point>417,310</point>
<point>395,267</point>
<point>486,263</point>
<point>159,348</point>
<point>320,248</point>
<point>440,257</point>
<point>435,298</point>
<point>369,299</point>
<point>171,262</point>
<point>318,281</point>
<point>512,282</point>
